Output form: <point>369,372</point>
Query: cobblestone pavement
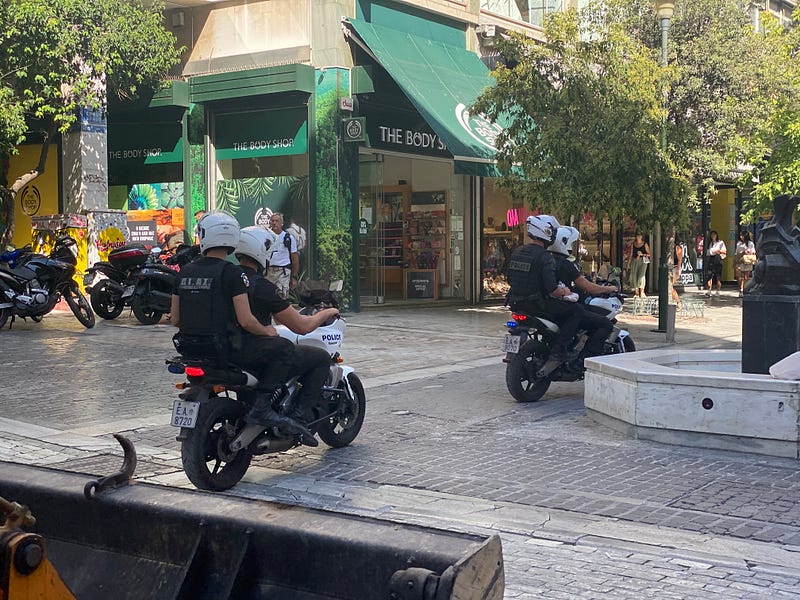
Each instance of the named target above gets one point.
<point>583,511</point>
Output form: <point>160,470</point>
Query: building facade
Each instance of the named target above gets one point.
<point>348,116</point>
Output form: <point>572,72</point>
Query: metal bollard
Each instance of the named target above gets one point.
<point>671,314</point>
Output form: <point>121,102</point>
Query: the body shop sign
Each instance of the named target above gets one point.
<point>261,133</point>
<point>402,131</point>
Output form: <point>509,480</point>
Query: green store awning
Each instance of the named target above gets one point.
<point>442,82</point>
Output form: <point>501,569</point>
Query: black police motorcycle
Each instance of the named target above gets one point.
<point>33,287</point>
<point>530,339</point>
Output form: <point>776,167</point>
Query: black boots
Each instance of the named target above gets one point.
<point>262,413</point>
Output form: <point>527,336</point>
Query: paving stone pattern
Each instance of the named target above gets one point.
<point>453,433</point>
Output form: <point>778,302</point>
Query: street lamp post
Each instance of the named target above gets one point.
<point>664,10</point>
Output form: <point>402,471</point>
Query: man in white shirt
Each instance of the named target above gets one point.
<point>284,263</point>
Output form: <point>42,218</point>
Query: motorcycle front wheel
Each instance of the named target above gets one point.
<point>207,460</point>
<point>521,380</point>
<point>106,303</point>
<point>79,305</point>
<point>144,315</point>
<point>343,427</point>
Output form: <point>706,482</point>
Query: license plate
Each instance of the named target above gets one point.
<point>128,292</point>
<point>511,343</point>
<point>184,413</point>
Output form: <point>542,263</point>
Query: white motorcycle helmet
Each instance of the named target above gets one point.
<point>565,239</point>
<point>542,227</point>
<point>258,244</point>
<point>218,229</point>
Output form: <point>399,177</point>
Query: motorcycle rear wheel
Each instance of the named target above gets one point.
<point>4,315</point>
<point>521,382</point>
<point>344,427</point>
<point>142,314</point>
<point>79,305</point>
<point>207,462</point>
<point>103,301</point>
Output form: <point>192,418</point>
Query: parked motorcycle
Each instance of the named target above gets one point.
<point>151,296</point>
<point>35,285</point>
<point>530,338</point>
<point>216,443</point>
<point>110,283</point>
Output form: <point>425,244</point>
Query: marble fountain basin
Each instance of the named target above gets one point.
<point>694,398</point>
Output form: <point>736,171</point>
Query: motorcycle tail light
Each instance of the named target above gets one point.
<point>194,371</point>
<point>518,318</point>
<point>181,386</point>
<point>218,389</point>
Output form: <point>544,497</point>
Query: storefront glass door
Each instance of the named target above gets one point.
<point>380,233</point>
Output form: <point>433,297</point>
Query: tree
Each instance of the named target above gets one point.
<point>59,56</point>
<point>601,94</point>
<point>583,116</point>
<point>778,171</point>
<point>728,81</point>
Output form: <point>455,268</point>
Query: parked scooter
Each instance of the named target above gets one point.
<point>151,296</point>
<point>217,444</point>
<point>530,338</point>
<point>110,283</point>
<point>35,285</point>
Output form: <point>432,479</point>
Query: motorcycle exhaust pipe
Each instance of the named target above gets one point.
<point>268,445</point>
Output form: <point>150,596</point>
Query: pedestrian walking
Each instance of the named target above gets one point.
<point>717,252</point>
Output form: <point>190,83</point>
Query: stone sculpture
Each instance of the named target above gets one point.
<point>777,271</point>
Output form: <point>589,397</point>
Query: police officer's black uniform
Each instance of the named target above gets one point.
<point>532,275</point>
<point>311,364</point>
<point>597,326</point>
<point>208,328</point>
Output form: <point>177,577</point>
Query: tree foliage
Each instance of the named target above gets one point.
<point>779,170</point>
<point>584,119</point>
<point>586,108</point>
<point>59,56</point>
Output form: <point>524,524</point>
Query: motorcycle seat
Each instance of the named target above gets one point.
<point>542,323</point>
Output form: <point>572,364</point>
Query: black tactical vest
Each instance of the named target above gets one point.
<point>207,317</point>
<point>524,273</point>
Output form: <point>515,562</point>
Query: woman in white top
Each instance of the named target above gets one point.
<point>745,259</point>
<point>717,252</point>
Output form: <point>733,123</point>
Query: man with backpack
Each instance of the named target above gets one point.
<point>284,263</point>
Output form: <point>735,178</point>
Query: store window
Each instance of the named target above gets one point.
<point>411,229</point>
<point>261,167</point>
<point>503,229</point>
<point>145,176</point>
<point>529,11</point>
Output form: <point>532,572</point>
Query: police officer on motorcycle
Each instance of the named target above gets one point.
<point>310,364</point>
<point>535,288</point>
<point>211,308</point>
<point>597,326</point>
